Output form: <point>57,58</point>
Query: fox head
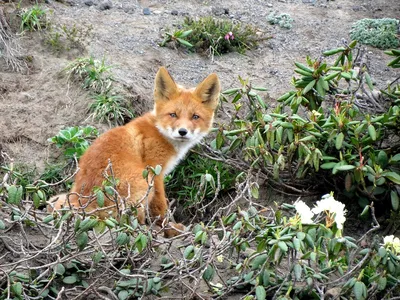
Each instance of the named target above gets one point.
<point>184,116</point>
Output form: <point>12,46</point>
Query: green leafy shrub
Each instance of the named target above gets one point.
<point>197,181</point>
<point>283,20</point>
<point>93,74</point>
<point>64,37</point>
<point>75,140</point>
<point>379,33</point>
<point>111,108</point>
<point>214,36</point>
<point>357,152</point>
<point>33,18</point>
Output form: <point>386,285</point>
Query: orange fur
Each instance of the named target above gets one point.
<point>180,119</point>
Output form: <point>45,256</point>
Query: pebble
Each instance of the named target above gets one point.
<point>146,11</point>
<point>105,5</point>
<point>174,12</point>
<point>89,3</point>
<point>219,11</point>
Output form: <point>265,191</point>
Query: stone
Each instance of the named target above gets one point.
<point>146,11</point>
<point>105,5</point>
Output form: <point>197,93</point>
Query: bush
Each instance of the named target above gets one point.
<point>283,20</point>
<point>74,139</point>
<point>379,33</point>
<point>356,153</point>
<point>93,74</point>
<point>214,36</point>
<point>64,37</point>
<point>111,108</point>
<point>199,183</point>
<point>33,18</point>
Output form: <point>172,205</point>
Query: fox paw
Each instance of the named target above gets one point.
<point>173,229</point>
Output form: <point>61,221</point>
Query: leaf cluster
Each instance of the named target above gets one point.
<point>283,20</point>
<point>64,37</point>
<point>359,151</point>
<point>214,36</point>
<point>33,18</point>
<point>257,251</point>
<point>109,105</point>
<point>379,33</point>
<point>75,140</point>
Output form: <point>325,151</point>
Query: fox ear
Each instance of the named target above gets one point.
<point>164,86</point>
<point>208,90</point>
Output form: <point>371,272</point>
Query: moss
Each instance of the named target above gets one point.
<point>379,33</point>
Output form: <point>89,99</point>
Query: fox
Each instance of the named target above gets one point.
<point>180,119</point>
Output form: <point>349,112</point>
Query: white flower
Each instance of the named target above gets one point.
<point>333,208</point>
<point>304,212</point>
<point>388,240</point>
<point>392,242</point>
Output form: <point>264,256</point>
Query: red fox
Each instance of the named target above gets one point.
<point>180,119</point>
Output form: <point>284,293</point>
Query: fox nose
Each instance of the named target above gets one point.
<point>182,131</point>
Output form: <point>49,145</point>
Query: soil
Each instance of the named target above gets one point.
<point>36,104</point>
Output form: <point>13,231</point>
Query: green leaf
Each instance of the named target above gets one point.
<point>260,293</point>
<point>254,191</point>
<point>82,240</point>
<point>394,199</point>
<point>59,269</point>
<point>122,239</point>
<point>208,274</point>
<point>359,290</point>
<point>14,194</point>
<point>382,159</point>
<point>297,271</point>
<point>2,225</point>
<point>382,282</point>
<point>189,252</point>
<point>395,158</point>
<point>372,132</point>
<point>329,165</point>
<point>308,87</point>
<point>392,176</point>
<point>157,170</point>
<point>258,261</point>
<point>123,294</point>
<point>70,279</point>
<point>345,168</point>
<point>283,246</point>
<point>184,43</point>
<point>339,141</point>
<point>100,198</point>
<point>382,252</point>
<point>17,288</point>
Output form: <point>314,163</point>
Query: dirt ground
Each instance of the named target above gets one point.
<point>36,105</point>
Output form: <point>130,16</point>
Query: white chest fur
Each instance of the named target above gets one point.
<point>181,149</point>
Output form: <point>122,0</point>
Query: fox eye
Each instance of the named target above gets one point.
<point>173,115</point>
<point>196,117</point>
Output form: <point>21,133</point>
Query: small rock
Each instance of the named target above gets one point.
<point>269,4</point>
<point>219,11</point>
<point>146,11</point>
<point>174,12</point>
<point>157,12</point>
<point>105,5</point>
<point>89,3</point>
